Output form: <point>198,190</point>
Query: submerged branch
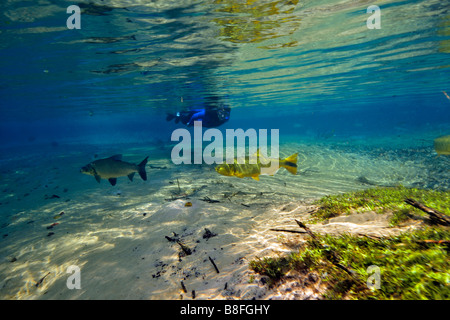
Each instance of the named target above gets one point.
<point>435,216</point>
<point>329,253</point>
<point>285,230</point>
<point>209,200</point>
<point>37,284</point>
<point>185,197</point>
<point>308,230</point>
<point>213,263</point>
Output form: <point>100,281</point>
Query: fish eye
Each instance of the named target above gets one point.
<point>219,169</point>
<point>85,168</point>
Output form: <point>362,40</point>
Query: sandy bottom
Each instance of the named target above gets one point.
<point>125,239</point>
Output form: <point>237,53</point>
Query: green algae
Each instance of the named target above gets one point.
<point>382,200</point>
<point>409,266</point>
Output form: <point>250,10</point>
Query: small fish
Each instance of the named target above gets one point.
<point>113,167</point>
<point>442,145</point>
<point>52,225</point>
<point>58,215</point>
<point>254,170</point>
<point>54,196</point>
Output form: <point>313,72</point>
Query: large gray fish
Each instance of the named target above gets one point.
<point>113,167</point>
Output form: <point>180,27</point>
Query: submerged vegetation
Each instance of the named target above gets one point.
<point>412,265</point>
<point>382,200</point>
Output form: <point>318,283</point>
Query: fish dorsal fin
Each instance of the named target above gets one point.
<point>261,158</point>
<point>117,157</point>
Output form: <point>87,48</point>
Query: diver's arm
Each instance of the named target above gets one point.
<point>196,116</point>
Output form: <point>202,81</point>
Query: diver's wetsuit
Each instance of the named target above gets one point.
<point>210,117</point>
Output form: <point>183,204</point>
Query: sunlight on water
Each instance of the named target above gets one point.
<point>146,55</point>
<point>362,108</point>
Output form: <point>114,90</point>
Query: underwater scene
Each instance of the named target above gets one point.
<point>225,150</point>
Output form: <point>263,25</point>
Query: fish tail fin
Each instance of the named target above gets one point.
<point>290,163</point>
<point>142,171</point>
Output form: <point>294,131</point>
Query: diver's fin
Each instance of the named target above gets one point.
<point>256,177</point>
<point>142,172</point>
<point>97,177</point>
<point>170,117</point>
<point>117,157</point>
<point>112,181</point>
<point>131,175</point>
<point>290,163</point>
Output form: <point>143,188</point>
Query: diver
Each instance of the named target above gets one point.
<point>210,117</point>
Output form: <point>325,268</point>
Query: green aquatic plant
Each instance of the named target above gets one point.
<point>272,267</point>
<point>400,216</point>
<point>411,266</point>
<point>381,200</point>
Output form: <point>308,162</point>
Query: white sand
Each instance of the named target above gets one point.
<point>124,254</point>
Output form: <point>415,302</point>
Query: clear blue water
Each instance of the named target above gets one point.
<point>312,65</point>
<point>361,107</point>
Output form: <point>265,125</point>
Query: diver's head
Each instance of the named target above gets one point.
<point>223,113</point>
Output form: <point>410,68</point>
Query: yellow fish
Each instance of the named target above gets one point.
<point>254,170</point>
<point>442,145</point>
